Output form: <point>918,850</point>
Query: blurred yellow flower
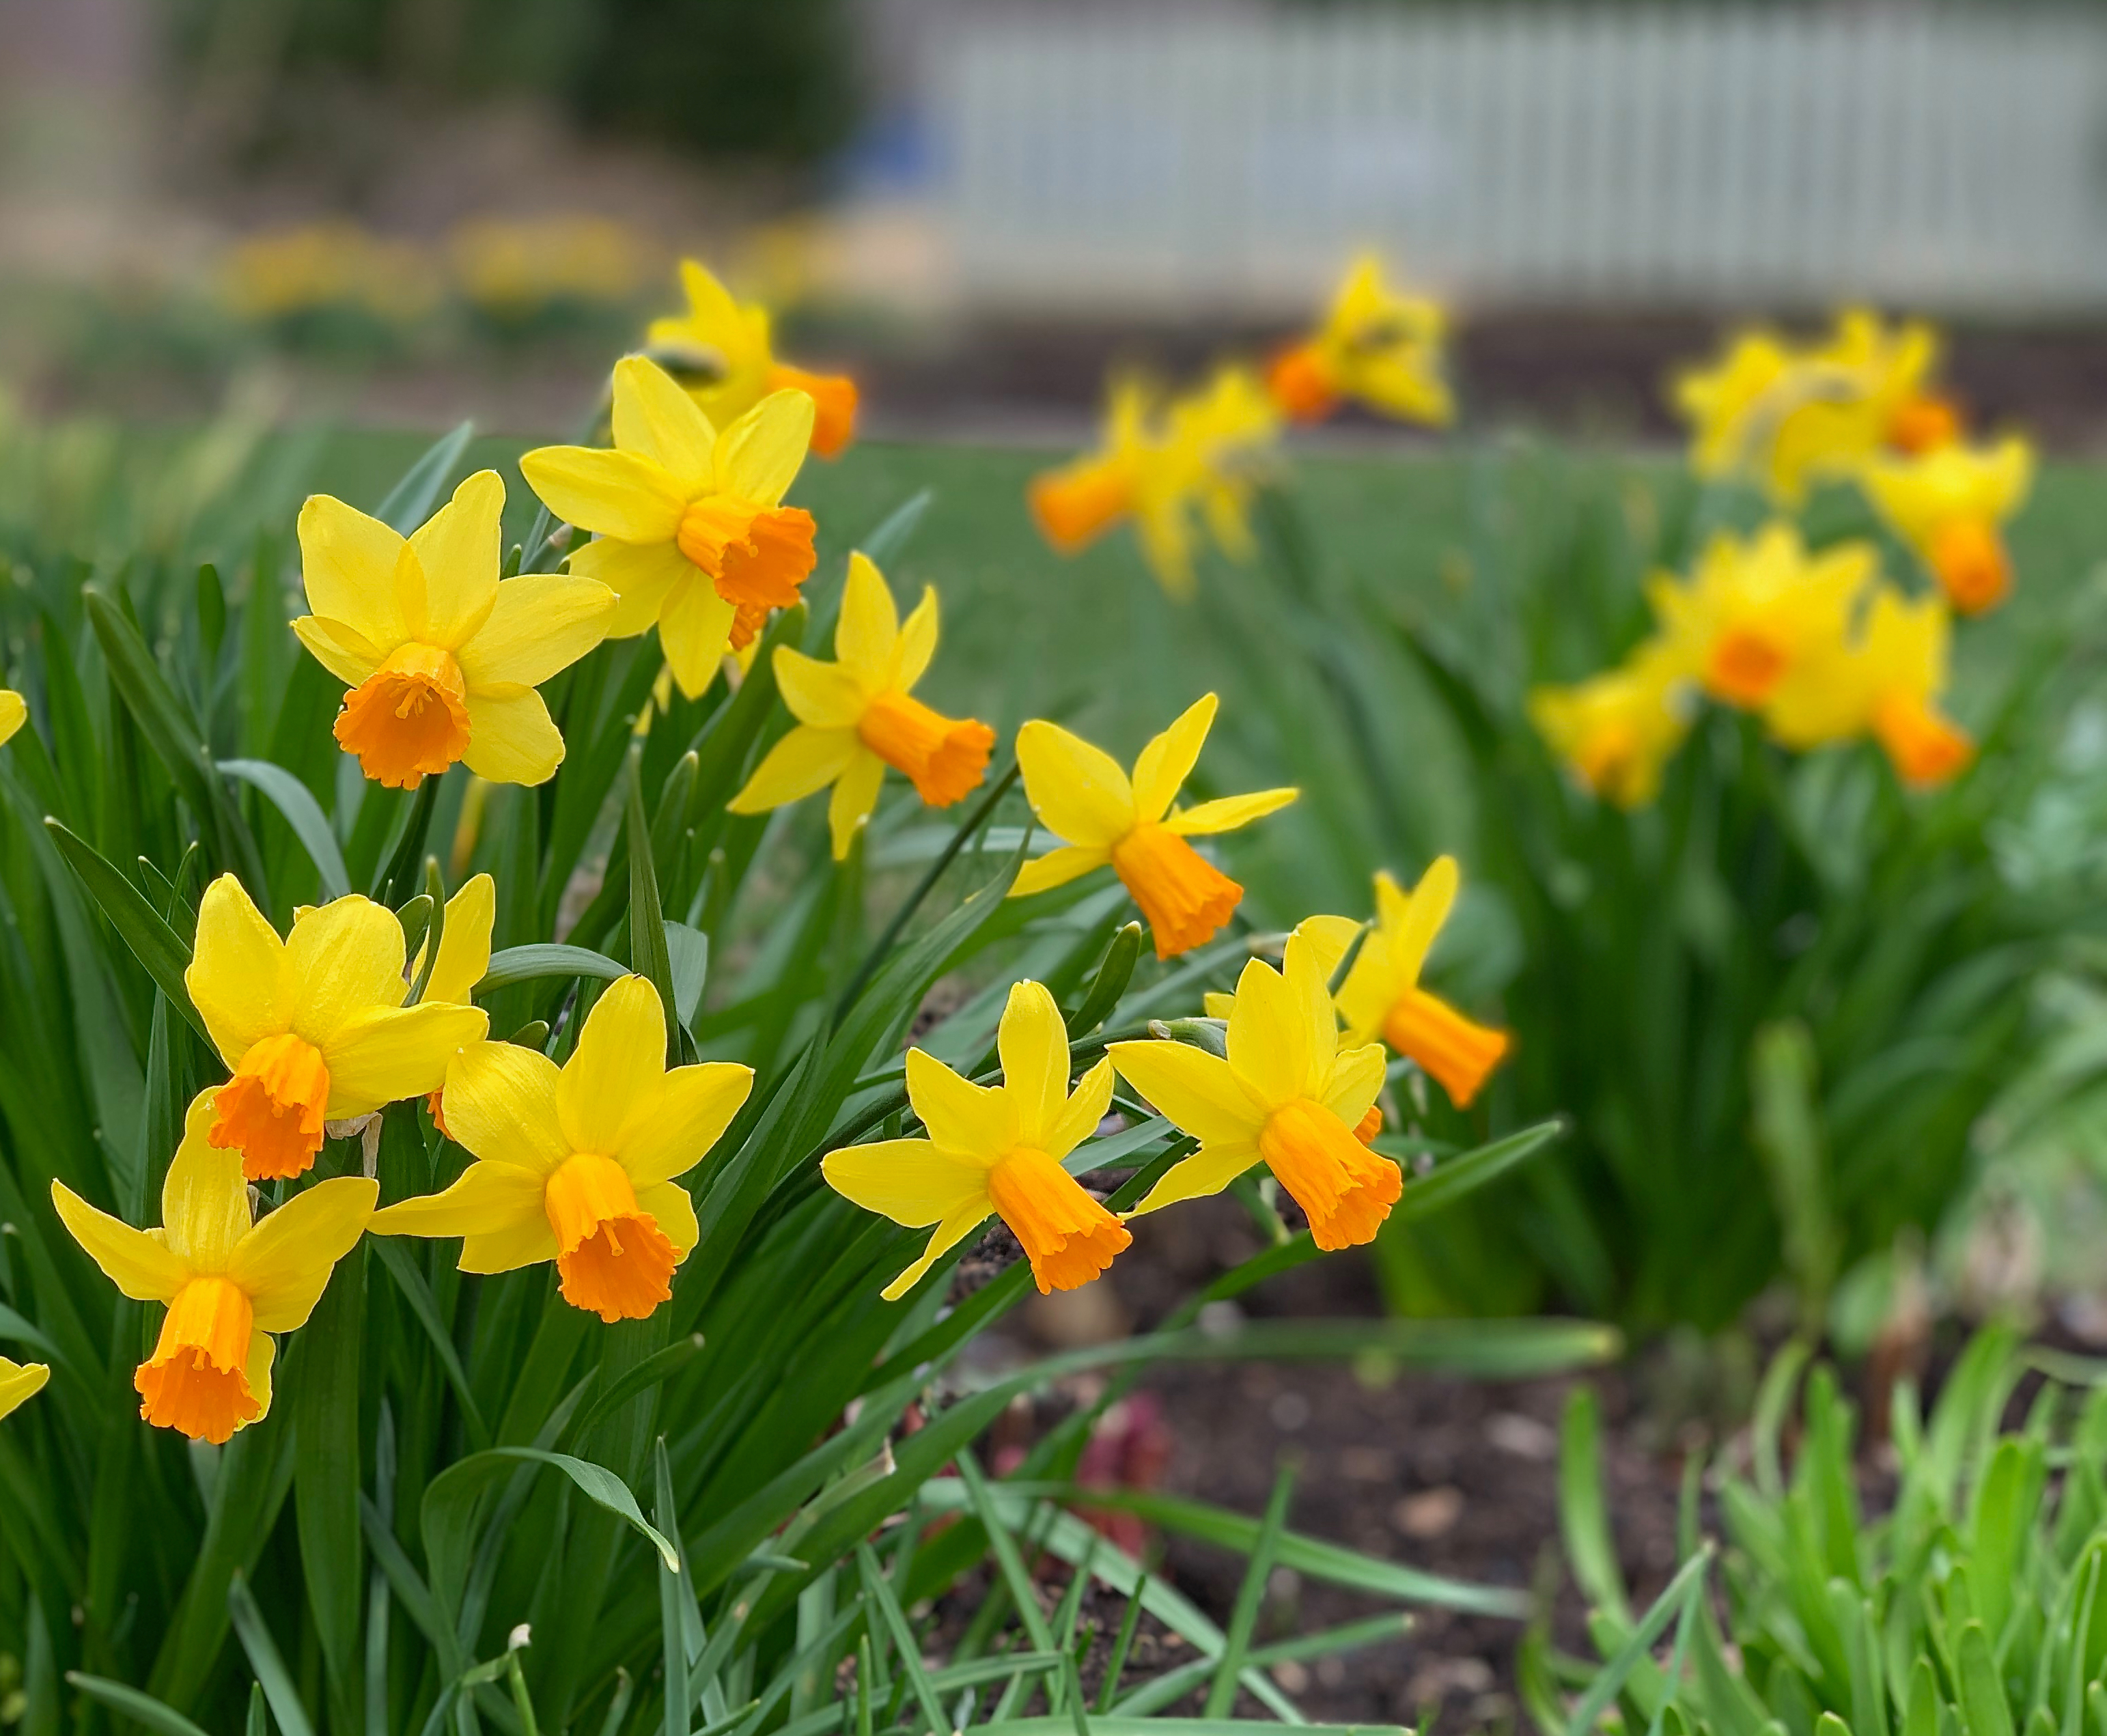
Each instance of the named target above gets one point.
<point>442,659</point>
<point>21,1382</point>
<point>691,531</point>
<point>512,266</point>
<point>311,267</point>
<point>1950,504</point>
<point>855,716</point>
<point>1753,607</point>
<point>1157,465</point>
<point>1616,730</point>
<point>1783,417</point>
<point>996,1150</point>
<point>1377,345</point>
<point>229,1282</point>
<point>1082,796</point>
<point>314,1026</point>
<point>1286,1095</point>
<point>1382,996</point>
<point>722,353</point>
<point>14,713</point>
<point>577,1165</point>
<point>463,961</point>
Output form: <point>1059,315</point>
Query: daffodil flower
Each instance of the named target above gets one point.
<point>1081,795</point>
<point>1376,345</point>
<point>996,1150</point>
<point>229,1282</point>
<point>312,1026</point>
<point>1382,996</point>
<point>1949,505</point>
<point>856,715</point>
<point>463,961</point>
<point>1615,731</point>
<point>577,1165</point>
<point>721,353</point>
<point>1285,1095</point>
<point>21,1382</point>
<point>692,532</point>
<point>1159,465</point>
<point>442,658</point>
<point>14,713</point>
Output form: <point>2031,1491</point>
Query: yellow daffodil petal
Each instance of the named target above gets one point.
<point>654,417</point>
<point>140,1265</point>
<point>236,975</point>
<point>826,695</point>
<point>679,1125</point>
<point>855,795</point>
<point>539,624</point>
<point>501,1104</point>
<point>910,1180</point>
<point>673,1208</point>
<point>618,1065</point>
<point>385,1054</point>
<point>263,1353</point>
<point>869,629</point>
<point>1420,920</point>
<point>463,957</point>
<point>512,738</point>
<point>1079,1116</point>
<point>1033,1043</point>
<point>759,455</point>
<point>614,493</point>
<point>1192,1089</point>
<point>964,1118</point>
<point>525,1239</point>
<point>486,1199</point>
<point>285,1261</point>
<point>19,1382</point>
<point>1207,1171</point>
<point>458,549</point>
<point>917,643</point>
<point>204,1196</point>
<point>342,958</point>
<point>14,713</point>
<point>1056,868</point>
<point>1329,936</point>
<point>348,567</point>
<point>1079,790</point>
<point>1168,760</point>
<point>949,1234</point>
<point>694,631</point>
<point>1282,1031</point>
<point>804,760</point>
<point>641,574</point>
<point>1227,812</point>
<point>1356,1082</point>
<point>343,652</point>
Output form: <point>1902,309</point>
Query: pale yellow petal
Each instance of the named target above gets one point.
<point>347,567</point>
<point>342,958</point>
<point>140,1265</point>
<point>343,652</point>
<point>204,1197</point>
<point>829,695</point>
<point>285,1262</point>
<point>1194,1091</point>
<point>759,455</point>
<point>487,1199</point>
<point>615,494</point>
<point>236,975</point>
<point>1167,761</point>
<point>458,548</point>
<point>463,957</point>
<point>1078,791</point>
<point>19,1382</point>
<point>511,737</point>
<point>678,1125</point>
<point>1227,813</point>
<point>386,1054</point>
<point>694,631</point>
<point>855,795</point>
<point>500,1105</point>
<point>968,1120</point>
<point>867,632</point>
<point>910,1180</point>
<point>1207,1171</point>
<point>949,1234</point>
<point>619,1065</point>
<point>804,760</point>
<point>1079,1116</point>
<point>1033,1043</point>
<point>539,624</point>
<point>655,418</point>
<point>642,575</point>
<point>1356,1082</point>
<point>674,1208</point>
<point>1058,868</point>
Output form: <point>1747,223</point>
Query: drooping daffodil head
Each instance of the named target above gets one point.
<point>1950,504</point>
<point>1286,1095</point>
<point>857,715</point>
<point>229,1281</point>
<point>314,1026</point>
<point>996,1150</point>
<point>1083,796</point>
<point>579,1164</point>
<point>1377,345</point>
<point>441,657</point>
<point>690,530</point>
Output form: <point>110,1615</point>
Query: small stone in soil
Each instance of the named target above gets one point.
<point>1434,1682</point>
<point>1429,1513</point>
<point>1289,1412</point>
<point>1367,1464</point>
<point>1523,1436</point>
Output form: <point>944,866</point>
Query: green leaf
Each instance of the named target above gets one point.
<point>1440,1187</point>
<point>326,1479</point>
<point>1583,1511</point>
<point>1688,1585</point>
<point>1984,1711</point>
<point>1222,1690</point>
<point>648,956</point>
<point>143,1708</point>
<point>139,924</point>
<point>521,964</point>
<point>263,1653</point>
<point>410,502</point>
<point>303,813</point>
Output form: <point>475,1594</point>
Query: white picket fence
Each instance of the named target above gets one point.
<point>1225,159</point>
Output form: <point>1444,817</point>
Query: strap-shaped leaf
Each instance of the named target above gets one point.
<point>520,964</point>
<point>409,502</point>
<point>143,929</point>
<point>303,813</point>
